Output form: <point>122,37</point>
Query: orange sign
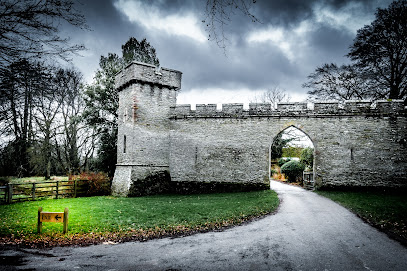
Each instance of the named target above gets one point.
<point>51,217</point>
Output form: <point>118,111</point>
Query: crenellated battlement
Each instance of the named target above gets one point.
<point>333,108</point>
<point>148,74</point>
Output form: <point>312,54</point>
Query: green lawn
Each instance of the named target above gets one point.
<point>385,210</point>
<point>154,215</point>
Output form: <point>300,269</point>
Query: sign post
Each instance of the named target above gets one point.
<point>52,217</point>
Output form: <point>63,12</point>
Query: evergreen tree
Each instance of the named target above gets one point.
<point>102,99</point>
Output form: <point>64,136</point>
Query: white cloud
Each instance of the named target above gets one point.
<point>349,17</point>
<point>277,36</point>
<point>287,40</point>
<point>272,34</point>
<point>153,19</point>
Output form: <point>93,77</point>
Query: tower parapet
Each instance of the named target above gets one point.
<point>147,74</point>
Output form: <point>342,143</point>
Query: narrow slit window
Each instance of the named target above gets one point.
<point>125,115</point>
<point>124,144</point>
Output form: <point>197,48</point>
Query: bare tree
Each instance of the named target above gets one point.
<point>219,14</point>
<point>273,96</point>
<point>379,68</point>
<point>19,85</point>
<point>346,82</point>
<point>29,28</point>
<point>68,83</point>
<point>41,119</point>
<point>48,102</point>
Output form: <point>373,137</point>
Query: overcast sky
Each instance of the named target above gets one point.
<point>291,40</point>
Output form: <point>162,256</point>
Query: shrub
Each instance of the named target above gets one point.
<point>4,180</point>
<point>273,171</point>
<point>293,170</point>
<point>307,157</point>
<point>282,161</point>
<point>95,183</point>
<point>154,184</point>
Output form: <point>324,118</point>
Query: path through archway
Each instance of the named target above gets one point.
<point>292,157</point>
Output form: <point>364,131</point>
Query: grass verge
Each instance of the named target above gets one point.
<point>101,219</point>
<point>386,211</point>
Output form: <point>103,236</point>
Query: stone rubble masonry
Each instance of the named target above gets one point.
<point>355,144</point>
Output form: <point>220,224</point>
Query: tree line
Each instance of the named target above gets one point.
<point>51,122</point>
<point>54,123</point>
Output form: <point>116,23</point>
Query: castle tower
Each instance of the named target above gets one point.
<point>146,95</point>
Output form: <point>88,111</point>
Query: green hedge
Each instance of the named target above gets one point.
<point>293,170</point>
<point>282,161</point>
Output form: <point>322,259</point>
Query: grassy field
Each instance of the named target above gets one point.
<point>384,210</point>
<point>135,218</point>
<point>36,179</point>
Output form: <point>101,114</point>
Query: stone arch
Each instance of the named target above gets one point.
<point>301,129</point>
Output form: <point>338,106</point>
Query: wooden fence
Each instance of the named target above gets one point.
<point>50,189</point>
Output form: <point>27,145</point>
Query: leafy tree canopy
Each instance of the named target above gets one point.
<point>139,51</point>
<point>278,144</point>
<point>307,157</point>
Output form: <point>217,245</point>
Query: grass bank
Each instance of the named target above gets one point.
<point>101,219</point>
<point>386,211</point>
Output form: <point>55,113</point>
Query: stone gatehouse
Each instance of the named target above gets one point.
<point>355,144</point>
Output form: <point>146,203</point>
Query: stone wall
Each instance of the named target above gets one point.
<point>356,143</point>
<point>352,147</point>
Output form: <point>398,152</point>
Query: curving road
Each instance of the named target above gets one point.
<point>308,232</point>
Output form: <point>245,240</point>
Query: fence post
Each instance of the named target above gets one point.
<point>56,196</point>
<point>39,223</point>
<point>66,216</point>
<point>74,188</point>
<point>33,191</point>
<point>9,193</point>
<point>5,193</point>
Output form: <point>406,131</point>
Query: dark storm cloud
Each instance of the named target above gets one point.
<point>107,23</point>
<point>293,38</point>
<point>265,65</point>
<point>283,11</point>
<point>325,40</point>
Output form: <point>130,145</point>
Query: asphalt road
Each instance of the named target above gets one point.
<point>308,232</point>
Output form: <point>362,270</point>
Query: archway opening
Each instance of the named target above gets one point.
<point>292,157</point>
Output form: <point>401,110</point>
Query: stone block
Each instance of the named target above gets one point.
<point>292,107</point>
<point>390,106</point>
<point>326,107</point>
<point>232,108</point>
<point>357,106</point>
